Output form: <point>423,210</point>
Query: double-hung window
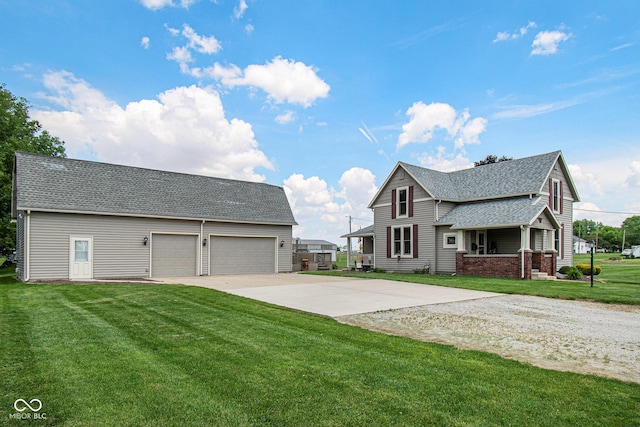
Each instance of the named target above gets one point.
<point>403,241</point>
<point>403,202</point>
<point>556,195</point>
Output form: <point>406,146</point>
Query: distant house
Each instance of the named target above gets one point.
<point>315,247</point>
<point>580,246</point>
<point>508,219</point>
<point>86,220</point>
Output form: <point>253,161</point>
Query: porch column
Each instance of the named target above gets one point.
<point>525,252</point>
<point>348,253</point>
<point>460,240</point>
<point>525,238</point>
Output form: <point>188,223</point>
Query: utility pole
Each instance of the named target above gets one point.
<point>349,244</point>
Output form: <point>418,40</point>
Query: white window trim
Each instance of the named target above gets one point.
<point>393,241</point>
<point>406,214</point>
<point>555,183</point>
<point>453,245</point>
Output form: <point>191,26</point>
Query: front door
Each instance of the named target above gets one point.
<point>481,243</point>
<point>81,257</point>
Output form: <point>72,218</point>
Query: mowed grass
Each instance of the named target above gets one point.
<point>618,283</point>
<point>164,355</point>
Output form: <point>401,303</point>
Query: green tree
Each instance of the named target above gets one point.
<point>584,228</point>
<point>491,158</point>
<point>18,133</point>
<point>632,226</point>
<point>610,238</point>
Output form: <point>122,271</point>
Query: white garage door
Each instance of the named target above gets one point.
<point>242,255</point>
<point>174,255</point>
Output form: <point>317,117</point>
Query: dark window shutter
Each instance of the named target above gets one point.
<point>560,197</point>
<point>388,242</point>
<point>410,201</point>
<point>393,204</point>
<point>415,240</point>
<point>551,194</point>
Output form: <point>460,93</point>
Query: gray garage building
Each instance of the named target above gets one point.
<point>82,220</point>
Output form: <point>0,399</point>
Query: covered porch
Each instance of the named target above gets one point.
<point>514,238</point>
<point>364,257</point>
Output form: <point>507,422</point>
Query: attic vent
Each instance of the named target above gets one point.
<point>54,166</point>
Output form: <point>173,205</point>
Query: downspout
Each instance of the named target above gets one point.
<point>27,240</point>
<point>522,242</point>
<point>200,244</point>
<point>435,236</point>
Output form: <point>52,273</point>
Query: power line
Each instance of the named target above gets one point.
<point>610,212</point>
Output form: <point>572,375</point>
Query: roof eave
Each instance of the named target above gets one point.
<point>135,215</point>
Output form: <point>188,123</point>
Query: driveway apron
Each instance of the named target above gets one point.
<point>332,296</point>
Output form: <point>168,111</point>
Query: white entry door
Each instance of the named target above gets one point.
<point>81,257</point>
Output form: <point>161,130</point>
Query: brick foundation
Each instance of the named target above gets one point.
<point>506,266</point>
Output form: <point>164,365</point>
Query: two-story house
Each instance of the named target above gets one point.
<point>508,219</point>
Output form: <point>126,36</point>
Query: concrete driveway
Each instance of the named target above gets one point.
<point>331,296</point>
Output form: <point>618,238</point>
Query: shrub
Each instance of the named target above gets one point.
<point>573,273</point>
<point>565,269</point>
<point>586,269</point>
<point>378,270</point>
<point>419,271</point>
<point>334,266</point>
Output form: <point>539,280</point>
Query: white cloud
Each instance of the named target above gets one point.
<point>202,44</point>
<point>284,80</point>
<point>195,42</point>
<point>248,28</point>
<point>633,180</point>
<point>546,42</point>
<point>159,4</point>
<point>504,35</point>
<point>587,182</point>
<point>184,129</point>
<point>444,162</point>
<point>239,10</point>
<point>321,210</point>
<point>424,120</point>
<point>523,111</point>
<point>358,188</point>
<point>285,118</point>
<point>144,42</point>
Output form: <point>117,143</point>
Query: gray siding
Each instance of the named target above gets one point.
<point>446,257</point>
<point>423,215</point>
<point>118,251</point>
<point>505,240</point>
<point>565,218</point>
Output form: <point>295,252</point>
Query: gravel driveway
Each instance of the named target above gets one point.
<point>584,337</point>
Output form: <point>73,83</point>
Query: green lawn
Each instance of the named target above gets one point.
<point>165,355</point>
<point>619,282</point>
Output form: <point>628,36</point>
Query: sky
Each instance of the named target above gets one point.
<point>324,97</point>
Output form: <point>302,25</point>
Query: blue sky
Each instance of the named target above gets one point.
<point>325,97</point>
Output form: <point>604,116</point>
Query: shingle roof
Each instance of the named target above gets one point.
<point>503,179</point>
<point>68,185</point>
<point>367,231</point>
<point>313,242</point>
<point>495,213</point>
